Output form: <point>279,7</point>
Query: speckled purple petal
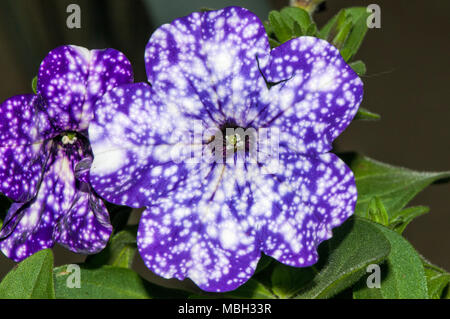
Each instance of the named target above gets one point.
<point>108,68</point>
<point>33,223</point>
<point>206,63</point>
<point>23,151</point>
<point>306,198</point>
<point>319,96</point>
<point>133,138</point>
<point>203,231</point>
<point>85,227</point>
<point>62,79</point>
<point>72,78</point>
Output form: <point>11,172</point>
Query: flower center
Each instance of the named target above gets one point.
<point>69,138</point>
<point>234,142</point>
<point>230,139</point>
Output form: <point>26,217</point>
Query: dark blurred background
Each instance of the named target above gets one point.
<point>407,81</point>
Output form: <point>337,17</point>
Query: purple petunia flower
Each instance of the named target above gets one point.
<point>209,214</point>
<point>45,154</point>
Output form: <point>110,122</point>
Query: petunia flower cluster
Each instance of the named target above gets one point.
<point>181,146</point>
<point>45,154</point>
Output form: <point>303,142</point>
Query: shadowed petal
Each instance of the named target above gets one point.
<point>31,227</point>
<point>85,227</point>
<point>206,63</point>
<point>318,97</point>
<point>23,149</point>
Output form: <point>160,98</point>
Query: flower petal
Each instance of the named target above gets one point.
<point>22,123</point>
<point>85,227</point>
<point>202,232</point>
<point>62,79</point>
<point>31,228</point>
<point>108,68</point>
<point>23,150</point>
<point>206,63</point>
<point>134,137</point>
<point>306,198</point>
<point>318,97</point>
<point>72,78</point>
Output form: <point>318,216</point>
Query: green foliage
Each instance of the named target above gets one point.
<point>394,186</point>
<point>402,218</point>
<point>34,84</point>
<point>438,281</point>
<point>30,279</point>
<point>359,67</point>
<point>403,273</point>
<point>109,282</point>
<point>366,115</point>
<point>289,23</point>
<point>377,212</point>
<point>355,245</point>
<point>119,252</point>
<point>346,30</point>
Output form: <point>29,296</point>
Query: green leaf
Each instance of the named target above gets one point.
<point>341,36</point>
<point>394,186</point>
<point>279,26</point>
<point>344,258</point>
<point>297,30</point>
<point>403,275</point>
<point>286,281</point>
<point>402,218</point>
<point>377,212</point>
<point>273,43</point>
<point>359,67</point>
<point>312,30</point>
<point>264,262</point>
<point>119,252</point>
<point>346,30</point>
<point>328,31</point>
<point>366,115</point>
<point>109,282</point>
<point>438,280</point>
<point>359,16</point>
<point>30,279</point>
<point>293,15</point>
<point>34,84</point>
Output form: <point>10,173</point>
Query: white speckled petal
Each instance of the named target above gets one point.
<point>206,63</point>
<point>62,82</point>
<point>317,98</point>
<point>72,78</point>
<point>85,228</point>
<point>135,137</point>
<point>23,152</point>
<point>306,199</point>
<point>108,68</point>
<point>30,227</point>
<point>203,230</point>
